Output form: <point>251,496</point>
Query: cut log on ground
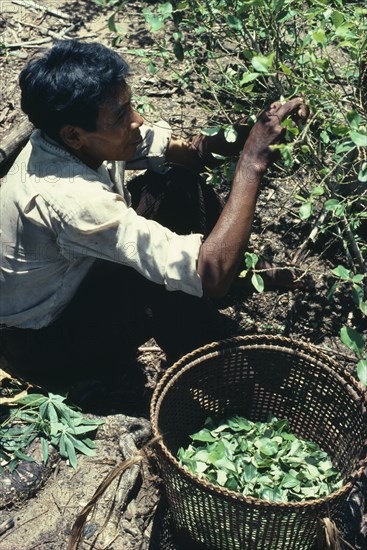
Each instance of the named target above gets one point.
<point>12,144</point>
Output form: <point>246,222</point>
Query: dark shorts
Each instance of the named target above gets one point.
<point>116,309</point>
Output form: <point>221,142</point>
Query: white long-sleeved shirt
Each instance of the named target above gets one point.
<point>57,216</point>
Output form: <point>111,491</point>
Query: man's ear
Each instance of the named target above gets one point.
<point>72,136</point>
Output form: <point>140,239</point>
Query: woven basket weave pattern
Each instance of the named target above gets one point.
<point>252,377</point>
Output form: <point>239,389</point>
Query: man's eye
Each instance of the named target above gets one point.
<point>121,117</point>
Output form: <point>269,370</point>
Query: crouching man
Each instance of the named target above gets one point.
<point>90,267</point>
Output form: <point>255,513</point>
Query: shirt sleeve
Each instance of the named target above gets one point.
<point>151,152</point>
<point>104,227</point>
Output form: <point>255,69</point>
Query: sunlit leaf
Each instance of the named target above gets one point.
<point>258,282</point>
<point>358,138</point>
<point>362,371</point>
<point>210,131</point>
<point>230,134</point>
<point>353,339</point>
<point>305,210</point>
<point>341,272</point>
<point>263,63</point>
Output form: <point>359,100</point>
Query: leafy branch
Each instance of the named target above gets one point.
<point>50,420</point>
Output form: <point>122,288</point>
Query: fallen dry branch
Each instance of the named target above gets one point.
<point>48,32</point>
<point>77,530</point>
<point>12,144</point>
<point>31,4</point>
<point>30,44</point>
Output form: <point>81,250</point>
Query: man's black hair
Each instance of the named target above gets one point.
<point>68,83</point>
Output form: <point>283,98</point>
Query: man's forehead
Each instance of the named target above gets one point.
<point>117,101</point>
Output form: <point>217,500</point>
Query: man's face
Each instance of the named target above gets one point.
<point>117,135</point>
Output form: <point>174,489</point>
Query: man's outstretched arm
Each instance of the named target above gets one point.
<point>222,251</point>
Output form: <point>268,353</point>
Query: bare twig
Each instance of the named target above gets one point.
<point>30,44</point>
<point>311,237</point>
<point>80,521</point>
<point>339,353</point>
<point>6,525</point>
<point>343,222</point>
<point>154,349</point>
<point>35,5</point>
<point>47,32</point>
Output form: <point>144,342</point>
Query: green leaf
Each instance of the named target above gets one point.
<point>354,118</point>
<point>23,456</point>
<point>152,67</point>
<point>251,260</point>
<point>357,294</point>
<point>318,190</point>
<point>221,478</point>
<point>331,204</point>
<point>111,23</point>
<point>270,493</point>
<point>268,447</point>
<point>258,282</point>
<point>263,63</point>
<point>305,210</point>
<point>290,481</point>
<point>344,31</point>
<point>234,23</point>
<point>33,399</point>
<point>204,435</point>
<point>81,447</point>
<point>358,138</point>
<point>337,18</point>
<point>344,147</point>
<point>199,467</point>
<point>249,472</point>
<point>154,21</point>
<point>249,77</point>
<point>319,36</point>
<point>83,429</point>
<point>70,452</point>
<point>52,414</point>
<point>230,134</point>
<point>362,176</point>
<point>181,6</point>
<point>341,272</point>
<point>178,51</point>
<point>44,445</point>
<point>62,446</point>
<point>166,9</point>
<point>352,339</point>
<point>362,371</point>
<point>210,131</point>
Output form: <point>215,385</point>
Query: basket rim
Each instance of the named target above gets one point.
<point>268,342</point>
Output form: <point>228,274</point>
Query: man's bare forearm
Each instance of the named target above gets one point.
<point>221,253</point>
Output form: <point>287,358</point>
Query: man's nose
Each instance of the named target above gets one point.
<point>137,121</point>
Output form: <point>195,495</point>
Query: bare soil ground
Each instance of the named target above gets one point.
<point>45,521</point>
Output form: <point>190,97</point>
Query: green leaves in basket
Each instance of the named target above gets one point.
<point>261,460</point>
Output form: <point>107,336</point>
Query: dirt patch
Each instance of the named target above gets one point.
<point>45,521</point>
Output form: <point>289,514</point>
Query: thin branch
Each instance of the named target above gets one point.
<point>47,32</point>
<point>31,4</point>
<point>311,237</point>
<point>30,44</point>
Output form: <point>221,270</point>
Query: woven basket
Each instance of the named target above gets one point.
<point>253,376</point>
